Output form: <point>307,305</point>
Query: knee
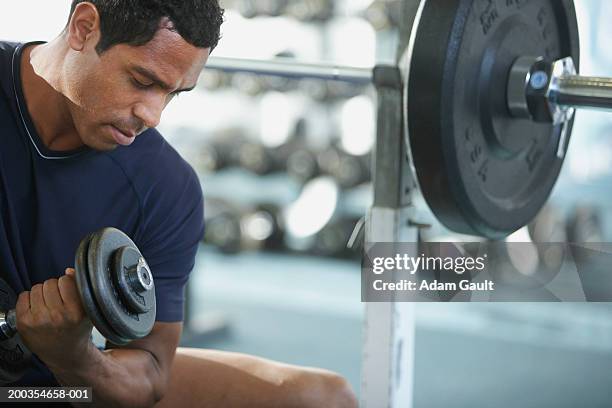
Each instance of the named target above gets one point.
<point>321,388</point>
<point>338,392</point>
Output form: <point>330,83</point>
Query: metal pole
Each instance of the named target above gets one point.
<point>583,92</point>
<point>291,69</point>
<point>570,90</point>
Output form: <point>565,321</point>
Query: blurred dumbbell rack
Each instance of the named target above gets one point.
<point>259,141</point>
<point>284,163</point>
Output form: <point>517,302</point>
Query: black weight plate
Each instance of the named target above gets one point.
<point>14,355</point>
<point>89,302</point>
<point>481,171</point>
<point>101,252</point>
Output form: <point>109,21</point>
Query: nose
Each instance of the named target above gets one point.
<point>149,111</point>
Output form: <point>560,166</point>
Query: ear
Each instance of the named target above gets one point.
<point>83,30</point>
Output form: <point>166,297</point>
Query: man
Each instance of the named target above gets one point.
<point>79,151</point>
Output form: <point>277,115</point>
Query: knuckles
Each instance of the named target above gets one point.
<point>23,297</point>
<point>50,284</point>
<point>50,320</point>
<point>36,288</point>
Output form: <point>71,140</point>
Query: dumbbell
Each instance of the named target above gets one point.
<point>116,289</point>
<point>383,14</point>
<point>257,158</point>
<point>251,8</point>
<point>221,151</point>
<point>302,165</point>
<point>263,160</point>
<point>310,10</point>
<point>348,170</point>
<point>233,229</point>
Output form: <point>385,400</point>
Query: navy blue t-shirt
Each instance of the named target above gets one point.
<point>50,200</point>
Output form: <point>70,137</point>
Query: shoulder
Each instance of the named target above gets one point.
<point>153,166</point>
<point>8,46</point>
<point>170,198</point>
<point>7,50</point>
<point>168,190</point>
<point>148,146</point>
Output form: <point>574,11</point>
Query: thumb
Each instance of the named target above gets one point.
<point>70,271</point>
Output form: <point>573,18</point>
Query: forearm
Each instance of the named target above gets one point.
<point>210,378</point>
<point>118,377</point>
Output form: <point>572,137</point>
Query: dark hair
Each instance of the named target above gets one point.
<point>135,22</point>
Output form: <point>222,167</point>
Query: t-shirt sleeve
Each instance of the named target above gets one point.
<point>173,211</point>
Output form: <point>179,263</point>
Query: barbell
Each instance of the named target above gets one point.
<point>489,90</point>
<point>116,288</point>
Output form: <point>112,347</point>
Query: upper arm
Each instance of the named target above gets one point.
<point>169,240</point>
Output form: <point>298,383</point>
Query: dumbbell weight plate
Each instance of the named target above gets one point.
<point>90,304</point>
<point>14,355</point>
<point>125,322</point>
<point>481,171</point>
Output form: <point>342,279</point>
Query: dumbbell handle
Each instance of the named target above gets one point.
<point>583,92</point>
<point>8,324</point>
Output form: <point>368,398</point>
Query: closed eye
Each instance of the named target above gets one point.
<point>139,84</point>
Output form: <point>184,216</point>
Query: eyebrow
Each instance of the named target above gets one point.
<point>159,82</point>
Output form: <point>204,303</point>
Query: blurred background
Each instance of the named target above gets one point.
<point>285,169</point>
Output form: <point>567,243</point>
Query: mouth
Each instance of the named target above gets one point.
<point>123,138</point>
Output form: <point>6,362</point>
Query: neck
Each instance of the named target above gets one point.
<point>42,87</point>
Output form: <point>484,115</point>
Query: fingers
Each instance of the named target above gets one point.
<point>37,301</point>
<point>51,295</point>
<point>54,297</point>
<point>69,293</point>
<point>52,322</point>
<point>23,306</point>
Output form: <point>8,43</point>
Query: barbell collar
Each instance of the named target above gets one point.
<point>518,81</point>
<point>289,68</point>
<point>550,91</point>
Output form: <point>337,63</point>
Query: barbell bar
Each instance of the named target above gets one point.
<point>567,89</point>
<point>289,68</point>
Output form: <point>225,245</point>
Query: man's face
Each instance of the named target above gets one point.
<point>119,94</point>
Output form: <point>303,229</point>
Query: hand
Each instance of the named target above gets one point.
<point>52,322</point>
